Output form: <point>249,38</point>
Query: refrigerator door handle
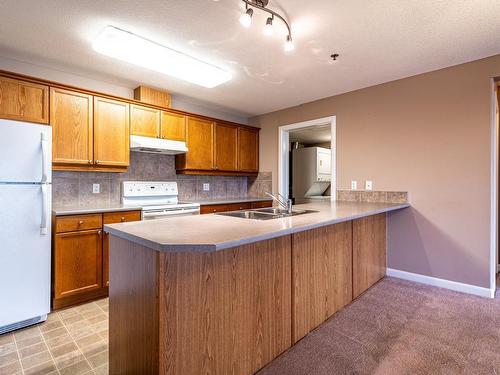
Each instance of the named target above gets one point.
<point>45,158</point>
<point>45,214</point>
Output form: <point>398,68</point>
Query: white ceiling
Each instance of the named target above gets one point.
<point>311,135</point>
<point>378,41</point>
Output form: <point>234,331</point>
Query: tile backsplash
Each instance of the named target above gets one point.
<point>372,196</point>
<point>75,188</point>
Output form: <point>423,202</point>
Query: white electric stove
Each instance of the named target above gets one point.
<point>157,199</point>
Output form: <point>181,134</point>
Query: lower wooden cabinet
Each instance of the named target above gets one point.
<point>81,256</point>
<point>112,218</point>
<point>215,208</point>
<point>78,262</point>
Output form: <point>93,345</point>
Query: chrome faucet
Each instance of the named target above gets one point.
<point>282,201</point>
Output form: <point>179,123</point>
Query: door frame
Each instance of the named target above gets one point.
<point>284,150</point>
<point>494,186</point>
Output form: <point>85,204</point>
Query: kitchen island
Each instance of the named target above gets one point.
<point>214,294</point>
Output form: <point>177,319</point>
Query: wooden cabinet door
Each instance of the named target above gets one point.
<point>77,262</point>
<point>369,242</point>
<point>248,150</point>
<point>111,132</point>
<point>144,121</point>
<point>200,144</point>
<point>173,126</point>
<point>24,101</point>
<point>72,127</point>
<point>111,218</point>
<point>225,147</point>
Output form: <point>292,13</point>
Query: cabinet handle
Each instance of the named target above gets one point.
<point>97,161</point>
<point>122,219</point>
<point>215,210</point>
<point>80,222</point>
<point>90,161</point>
<point>99,232</point>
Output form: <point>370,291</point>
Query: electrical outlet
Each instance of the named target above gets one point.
<point>206,187</point>
<point>368,185</point>
<point>354,185</point>
<point>96,188</point>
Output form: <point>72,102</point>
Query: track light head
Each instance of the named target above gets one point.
<point>246,18</point>
<point>289,44</point>
<point>268,29</point>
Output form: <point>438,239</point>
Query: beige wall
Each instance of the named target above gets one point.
<point>428,135</point>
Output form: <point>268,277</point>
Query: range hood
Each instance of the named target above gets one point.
<point>156,145</point>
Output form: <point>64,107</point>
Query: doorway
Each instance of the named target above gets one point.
<point>304,135</point>
<point>495,201</point>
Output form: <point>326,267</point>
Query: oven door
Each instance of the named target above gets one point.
<point>163,214</point>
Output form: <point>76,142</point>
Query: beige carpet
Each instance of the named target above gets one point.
<point>399,327</point>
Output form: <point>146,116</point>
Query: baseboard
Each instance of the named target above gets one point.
<point>442,283</point>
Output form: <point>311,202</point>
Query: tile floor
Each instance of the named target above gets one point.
<point>72,341</point>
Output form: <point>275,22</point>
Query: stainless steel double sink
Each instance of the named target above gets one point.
<point>265,213</point>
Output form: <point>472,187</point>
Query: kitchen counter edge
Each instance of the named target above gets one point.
<point>212,247</point>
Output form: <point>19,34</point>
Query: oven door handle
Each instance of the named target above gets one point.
<point>170,213</point>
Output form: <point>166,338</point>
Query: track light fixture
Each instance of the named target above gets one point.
<point>268,29</point>
<point>246,20</point>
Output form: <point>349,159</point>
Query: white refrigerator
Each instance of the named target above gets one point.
<point>25,223</point>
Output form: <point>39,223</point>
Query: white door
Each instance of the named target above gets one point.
<point>24,252</point>
<point>25,152</point>
<point>324,161</point>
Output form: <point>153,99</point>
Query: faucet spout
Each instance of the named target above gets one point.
<point>286,204</point>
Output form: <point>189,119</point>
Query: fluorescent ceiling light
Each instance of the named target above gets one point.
<point>126,46</point>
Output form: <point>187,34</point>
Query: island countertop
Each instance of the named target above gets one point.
<point>206,233</point>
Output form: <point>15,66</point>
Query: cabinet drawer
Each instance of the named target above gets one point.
<point>121,217</point>
<point>262,204</point>
<point>78,222</point>
<point>214,208</point>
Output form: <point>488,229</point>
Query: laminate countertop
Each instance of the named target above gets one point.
<point>92,209</point>
<point>207,233</point>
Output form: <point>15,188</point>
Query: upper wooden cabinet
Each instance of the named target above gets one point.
<point>91,130</point>
<point>226,147</point>
<point>144,121</point>
<point>219,148</point>
<point>248,150</point>
<point>111,133</point>
<point>24,101</point>
<point>72,127</point>
<point>200,142</point>
<point>173,126</point>
<point>150,122</point>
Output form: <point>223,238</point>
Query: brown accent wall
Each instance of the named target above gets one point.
<point>429,135</point>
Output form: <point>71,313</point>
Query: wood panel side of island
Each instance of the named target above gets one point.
<point>225,312</point>
<point>321,275</point>
<point>369,252</point>
<point>133,308</point>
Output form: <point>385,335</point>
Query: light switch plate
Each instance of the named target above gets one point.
<point>354,185</point>
<point>206,187</point>
<point>368,185</point>
<point>96,188</point>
